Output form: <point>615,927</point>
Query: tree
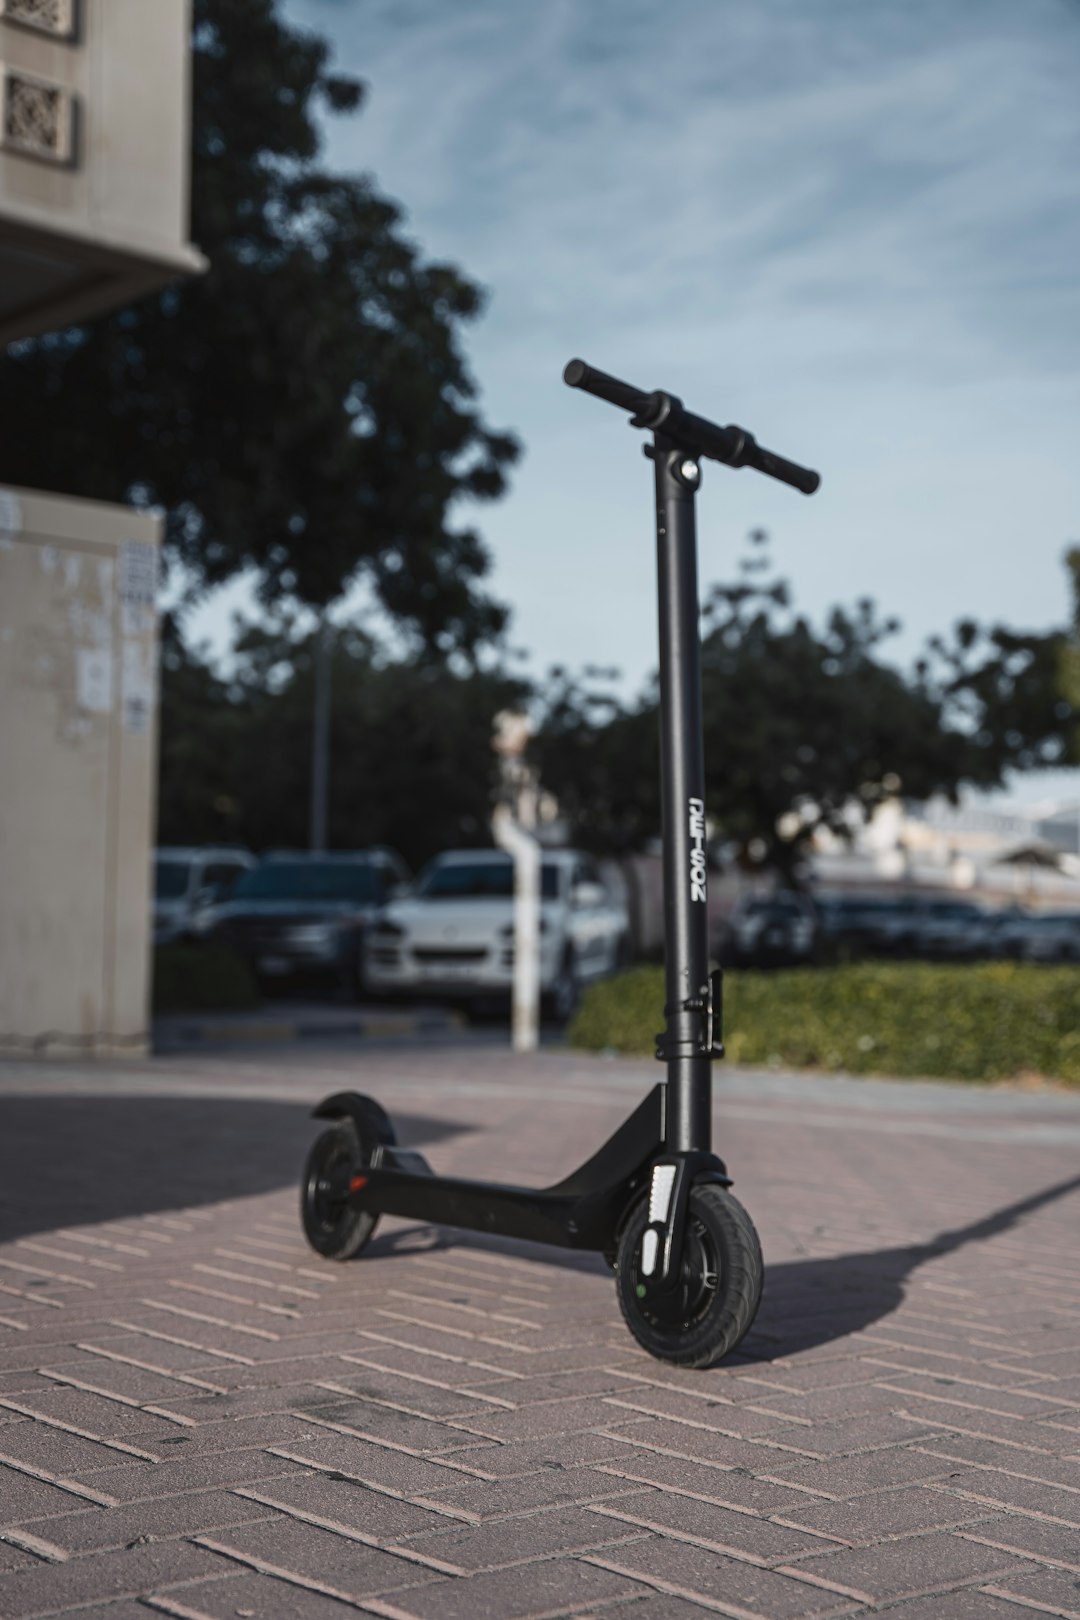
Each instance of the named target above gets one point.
<point>805,727</point>
<point>305,408</point>
<point>413,765</point>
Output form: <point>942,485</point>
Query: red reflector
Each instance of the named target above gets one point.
<point>357,1183</point>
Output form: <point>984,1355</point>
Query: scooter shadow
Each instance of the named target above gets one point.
<point>807,1303</point>
<point>74,1159</point>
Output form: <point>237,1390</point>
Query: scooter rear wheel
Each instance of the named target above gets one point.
<point>714,1302</point>
<point>333,1227</point>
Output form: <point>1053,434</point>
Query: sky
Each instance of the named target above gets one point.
<point>851,227</point>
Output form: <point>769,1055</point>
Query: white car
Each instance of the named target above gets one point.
<point>452,937</point>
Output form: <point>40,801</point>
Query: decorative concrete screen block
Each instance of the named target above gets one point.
<point>56,17</point>
<point>36,118</point>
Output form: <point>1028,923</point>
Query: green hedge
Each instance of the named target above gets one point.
<point>992,1021</point>
<point>201,978</point>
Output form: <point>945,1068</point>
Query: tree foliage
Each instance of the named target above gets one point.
<point>410,743</point>
<point>305,408</point>
<point>807,727</point>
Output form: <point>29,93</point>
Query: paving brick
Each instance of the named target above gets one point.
<point>870,1431</point>
<point>555,1586</point>
<point>24,1497</point>
<point>266,1401</point>
<point>469,1549</point>
<point>969,1603</point>
<point>343,1505</point>
<point>367,1463</point>
<point>100,1529</point>
<point>1020,1495</point>
<point>691,1572</point>
<point>726,1487</point>
<point>1052,1590</point>
<point>1027,1462</point>
<point>330,1563</point>
<point>974,1397</point>
<point>955,1418</point>
<point>907,1511</point>
<point>563,1386</point>
<point>59,1452</point>
<point>821,1405</point>
<point>121,1609</point>
<point>549,1417</point>
<point>125,1382</point>
<point>12,1558</point>
<point>910,1568</point>
<point>142,1481</point>
<point>743,1535</point>
<point>709,1445</point>
<point>259,1596</point>
<point>1044,1539</point>
<point>94,1415</point>
<point>390,1425</point>
<point>842,1477</point>
<point>726,1417</point>
<point>51,1588</point>
<point>554,1451</point>
<point>455,1372</point>
<point>421,1397</point>
<point>480,1500</point>
<point>230,1434</point>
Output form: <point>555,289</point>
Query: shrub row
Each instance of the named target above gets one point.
<point>201,978</point>
<point>984,1022</point>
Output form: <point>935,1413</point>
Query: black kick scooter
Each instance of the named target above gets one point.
<point>654,1200</point>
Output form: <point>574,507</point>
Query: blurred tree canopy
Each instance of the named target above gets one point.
<point>410,740</point>
<point>806,727</point>
<point>304,409</point>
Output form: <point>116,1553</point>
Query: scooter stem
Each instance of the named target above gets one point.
<point>684,1046</point>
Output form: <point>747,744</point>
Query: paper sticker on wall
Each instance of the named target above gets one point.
<point>94,679</point>
<point>137,686</point>
<point>137,587</point>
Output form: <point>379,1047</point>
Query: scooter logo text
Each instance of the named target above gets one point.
<point>697,850</point>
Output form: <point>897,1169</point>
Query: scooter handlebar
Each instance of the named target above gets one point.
<point>580,375</point>
<point>731,445</point>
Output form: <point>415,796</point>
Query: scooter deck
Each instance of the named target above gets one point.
<point>581,1212</point>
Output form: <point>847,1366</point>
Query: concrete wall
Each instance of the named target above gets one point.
<point>96,220</point>
<point>78,739</point>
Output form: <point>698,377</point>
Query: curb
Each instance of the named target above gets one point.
<point>380,1026</point>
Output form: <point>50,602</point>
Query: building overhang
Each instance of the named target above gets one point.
<point>50,278</point>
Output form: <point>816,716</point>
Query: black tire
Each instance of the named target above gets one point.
<point>702,1320</point>
<point>333,1227</point>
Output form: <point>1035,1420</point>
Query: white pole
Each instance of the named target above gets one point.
<point>512,837</point>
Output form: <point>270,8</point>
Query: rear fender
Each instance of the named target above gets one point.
<point>372,1123</point>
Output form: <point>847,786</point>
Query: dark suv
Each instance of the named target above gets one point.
<point>304,916</point>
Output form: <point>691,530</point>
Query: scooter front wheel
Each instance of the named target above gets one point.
<point>713,1302</point>
<point>332,1225</point>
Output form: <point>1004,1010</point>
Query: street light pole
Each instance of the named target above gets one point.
<point>320,746</point>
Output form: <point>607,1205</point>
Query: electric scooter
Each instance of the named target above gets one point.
<point>654,1200</point>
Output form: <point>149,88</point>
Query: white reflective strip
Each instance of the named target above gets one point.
<point>649,1245</point>
<point>663,1179</point>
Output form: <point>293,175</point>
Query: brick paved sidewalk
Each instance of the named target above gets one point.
<point>200,1418</point>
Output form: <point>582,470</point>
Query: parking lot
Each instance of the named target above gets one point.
<point>199,1417</point>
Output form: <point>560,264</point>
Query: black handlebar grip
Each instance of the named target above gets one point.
<point>580,375</point>
<point>788,472</point>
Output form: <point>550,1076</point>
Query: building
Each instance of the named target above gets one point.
<point>94,160</point>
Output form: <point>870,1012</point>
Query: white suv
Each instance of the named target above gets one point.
<point>452,937</point>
